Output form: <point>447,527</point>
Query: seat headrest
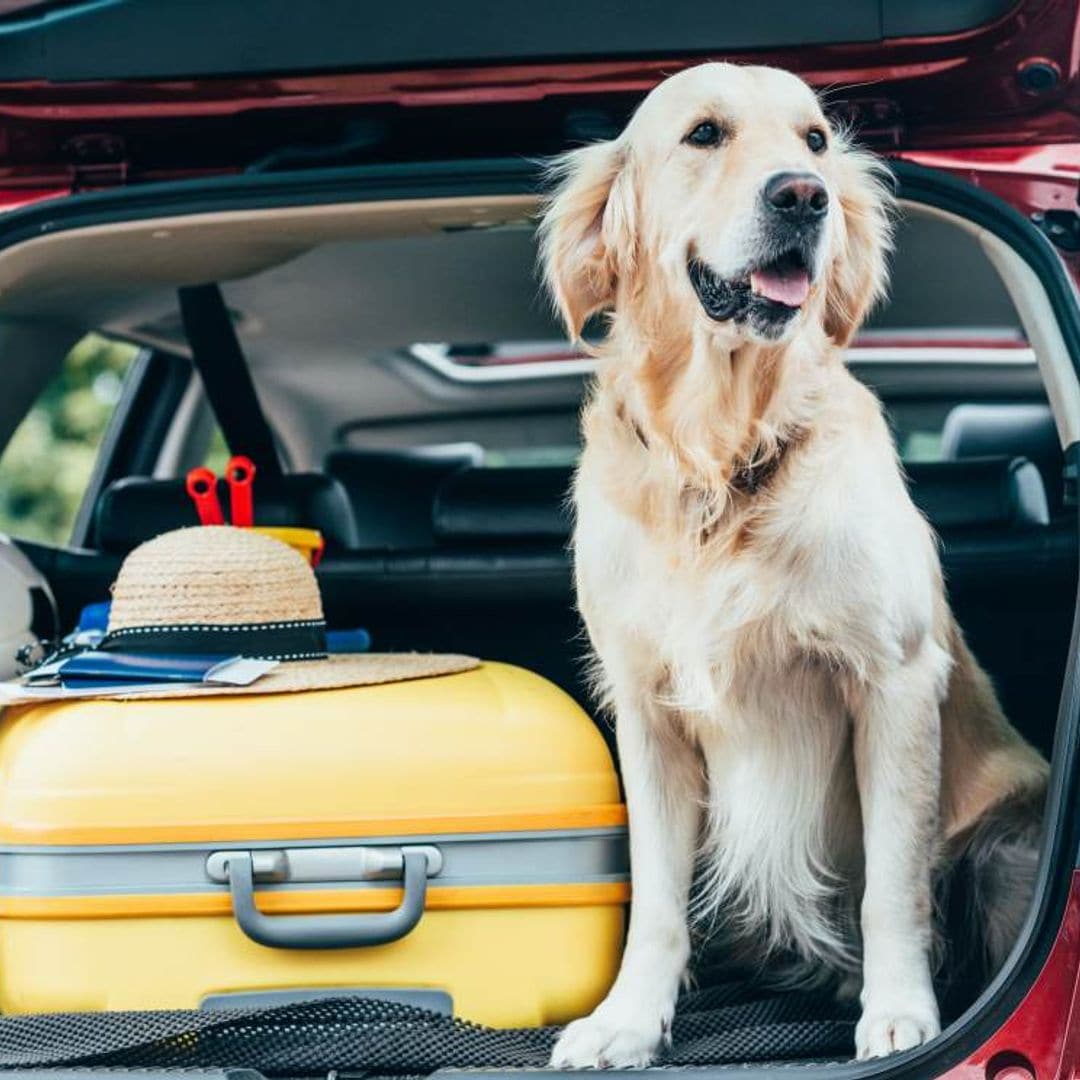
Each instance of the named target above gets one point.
<point>1021,430</point>
<point>137,508</point>
<point>1000,430</point>
<point>392,491</point>
<point>509,503</point>
<point>984,492</point>
<point>530,503</point>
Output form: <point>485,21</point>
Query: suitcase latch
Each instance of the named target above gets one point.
<point>311,865</point>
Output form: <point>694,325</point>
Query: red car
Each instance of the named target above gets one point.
<point>149,145</point>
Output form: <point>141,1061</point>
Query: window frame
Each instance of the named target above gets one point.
<point>152,390</point>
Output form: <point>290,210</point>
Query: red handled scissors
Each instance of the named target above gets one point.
<point>202,489</point>
<point>240,476</point>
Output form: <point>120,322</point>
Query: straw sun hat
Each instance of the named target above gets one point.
<point>216,589</point>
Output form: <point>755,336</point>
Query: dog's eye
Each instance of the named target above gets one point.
<point>706,133</point>
<point>815,139</point>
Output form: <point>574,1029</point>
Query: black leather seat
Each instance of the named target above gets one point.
<point>501,562</point>
<point>137,508</point>
<point>511,505</point>
<point>503,504</point>
<point>1020,430</point>
<point>488,571</point>
<point>392,491</point>
<point>979,493</point>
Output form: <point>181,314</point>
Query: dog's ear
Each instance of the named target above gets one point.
<point>859,275</point>
<point>588,231</point>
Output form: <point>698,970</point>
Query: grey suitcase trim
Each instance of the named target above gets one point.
<point>570,856</point>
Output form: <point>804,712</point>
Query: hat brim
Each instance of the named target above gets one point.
<point>334,673</point>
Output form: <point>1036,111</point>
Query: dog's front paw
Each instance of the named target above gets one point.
<point>615,1036</point>
<point>881,1032</point>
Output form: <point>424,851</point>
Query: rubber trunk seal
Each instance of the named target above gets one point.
<point>516,176</point>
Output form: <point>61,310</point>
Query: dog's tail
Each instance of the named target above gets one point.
<point>989,885</point>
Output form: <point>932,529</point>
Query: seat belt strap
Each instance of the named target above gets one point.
<point>218,358</point>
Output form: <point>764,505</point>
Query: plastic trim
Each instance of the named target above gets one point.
<point>117,39</point>
<point>327,931</point>
<point>507,859</point>
<point>594,893</point>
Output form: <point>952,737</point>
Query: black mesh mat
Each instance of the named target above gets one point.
<point>719,1025</point>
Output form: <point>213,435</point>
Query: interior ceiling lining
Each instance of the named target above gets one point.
<point>124,274</point>
<point>97,269</point>
<point>328,295</point>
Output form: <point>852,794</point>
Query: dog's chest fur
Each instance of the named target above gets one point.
<point>752,635</point>
<point>819,561</point>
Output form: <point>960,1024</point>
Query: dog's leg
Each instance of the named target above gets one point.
<point>897,748</point>
<point>662,779</point>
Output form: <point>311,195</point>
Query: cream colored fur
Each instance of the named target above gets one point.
<point>797,712</point>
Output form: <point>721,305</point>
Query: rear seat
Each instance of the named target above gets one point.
<point>979,493</point>
<point>503,504</point>
<point>474,559</point>
<point>496,581</point>
<point>493,505</point>
<point>1018,430</point>
<point>136,508</point>
<point>392,491</point>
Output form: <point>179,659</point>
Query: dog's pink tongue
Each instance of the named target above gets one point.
<point>788,286</point>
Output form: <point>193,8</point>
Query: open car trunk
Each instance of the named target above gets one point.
<point>358,180</point>
<point>114,260</point>
<point>101,93</point>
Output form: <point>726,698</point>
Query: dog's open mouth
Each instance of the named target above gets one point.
<point>765,296</point>
<point>785,281</point>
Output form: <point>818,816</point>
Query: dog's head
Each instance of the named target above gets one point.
<point>727,200</point>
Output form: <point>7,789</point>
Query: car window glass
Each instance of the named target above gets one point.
<point>47,464</point>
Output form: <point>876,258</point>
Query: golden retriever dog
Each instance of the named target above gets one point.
<point>807,744</point>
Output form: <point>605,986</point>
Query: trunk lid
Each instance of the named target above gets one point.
<point>95,93</point>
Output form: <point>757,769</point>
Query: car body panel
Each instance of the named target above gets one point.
<point>963,101</point>
<point>1042,1036</point>
<point>82,105</point>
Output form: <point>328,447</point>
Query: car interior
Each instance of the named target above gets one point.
<point>438,473</point>
<point>423,401</point>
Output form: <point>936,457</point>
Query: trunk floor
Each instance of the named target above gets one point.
<point>722,1024</point>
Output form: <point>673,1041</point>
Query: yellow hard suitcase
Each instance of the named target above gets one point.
<point>456,839</point>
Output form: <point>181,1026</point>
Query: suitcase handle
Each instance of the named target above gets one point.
<point>326,931</point>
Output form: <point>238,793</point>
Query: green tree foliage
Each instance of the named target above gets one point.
<point>46,465</point>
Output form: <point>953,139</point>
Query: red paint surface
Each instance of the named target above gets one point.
<point>1045,1028</point>
<point>13,198</point>
<point>953,102</point>
<point>944,92</point>
<point>1029,177</point>
<point>988,56</point>
<point>1032,178</point>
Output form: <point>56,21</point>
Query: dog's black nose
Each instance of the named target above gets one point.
<point>797,197</point>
